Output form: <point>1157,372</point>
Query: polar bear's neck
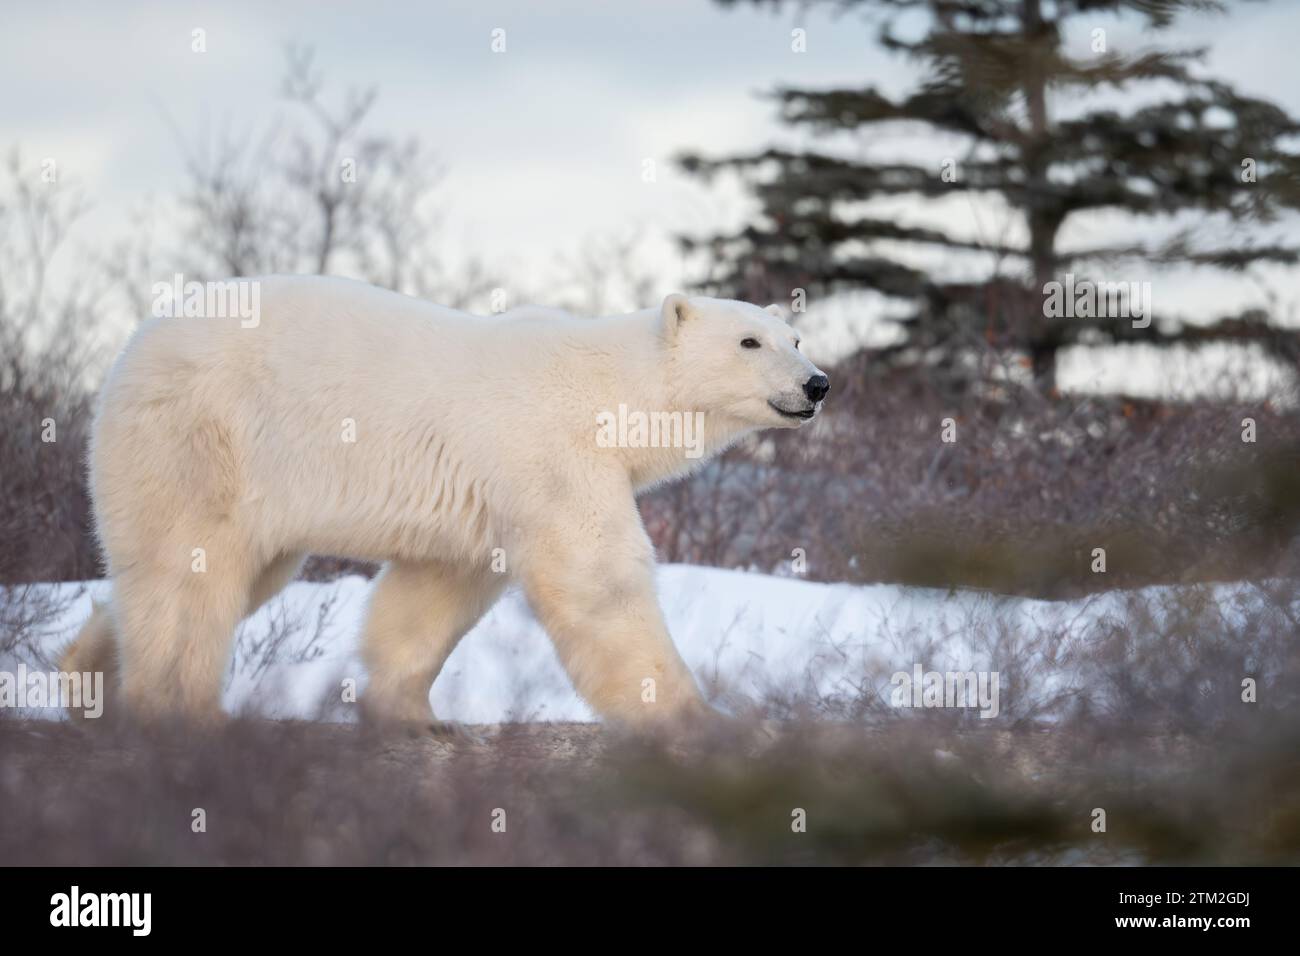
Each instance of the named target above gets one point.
<point>639,378</point>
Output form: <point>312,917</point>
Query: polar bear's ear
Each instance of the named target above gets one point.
<point>677,309</point>
<point>776,310</point>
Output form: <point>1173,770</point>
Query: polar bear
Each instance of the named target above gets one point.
<point>464,451</point>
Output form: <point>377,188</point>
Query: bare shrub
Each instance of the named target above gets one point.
<point>289,638</point>
<point>1017,503</point>
<point>28,613</point>
<point>297,794</point>
<point>44,388</point>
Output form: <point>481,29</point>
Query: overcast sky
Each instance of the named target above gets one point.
<point>544,144</point>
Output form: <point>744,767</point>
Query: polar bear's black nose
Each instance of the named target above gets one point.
<point>817,387</point>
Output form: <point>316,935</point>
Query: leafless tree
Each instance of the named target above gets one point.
<point>319,193</point>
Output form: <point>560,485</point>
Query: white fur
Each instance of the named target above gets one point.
<point>472,434</point>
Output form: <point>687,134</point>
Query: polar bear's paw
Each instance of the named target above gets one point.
<point>430,730</point>
<point>449,732</point>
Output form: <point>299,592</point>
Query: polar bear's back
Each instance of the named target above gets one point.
<point>321,406</point>
<point>317,350</point>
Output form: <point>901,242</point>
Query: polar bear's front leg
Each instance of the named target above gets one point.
<point>418,613</point>
<point>594,593</point>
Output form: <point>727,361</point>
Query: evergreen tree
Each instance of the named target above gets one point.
<point>995,71</point>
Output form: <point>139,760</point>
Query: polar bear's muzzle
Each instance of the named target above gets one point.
<point>814,390</point>
<point>804,414</point>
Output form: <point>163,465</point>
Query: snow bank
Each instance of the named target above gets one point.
<point>742,633</point>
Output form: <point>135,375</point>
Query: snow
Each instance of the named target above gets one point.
<point>745,635</point>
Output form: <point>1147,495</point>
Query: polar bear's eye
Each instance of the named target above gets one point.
<point>749,343</point>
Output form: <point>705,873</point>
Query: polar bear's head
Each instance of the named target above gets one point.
<point>742,361</point>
